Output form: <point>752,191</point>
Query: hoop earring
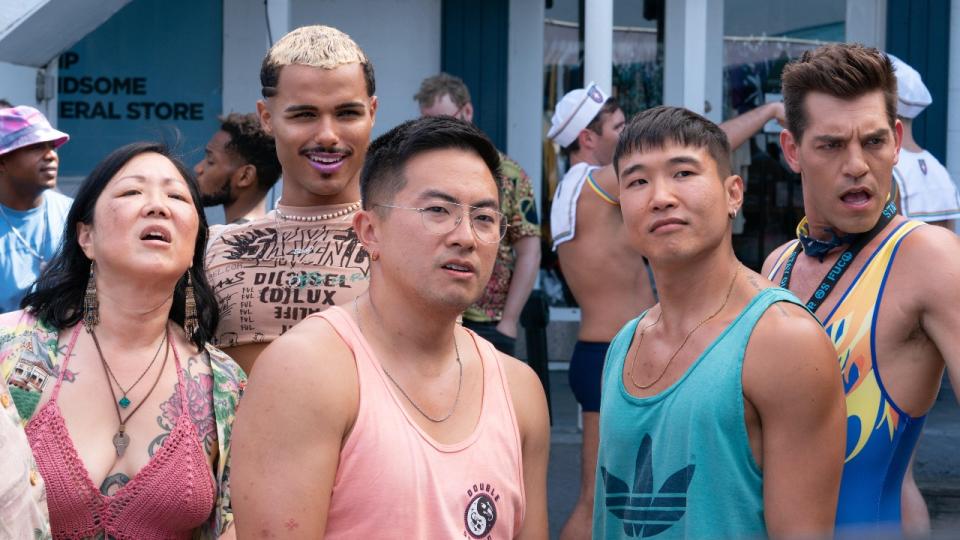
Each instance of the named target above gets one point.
<point>190,324</point>
<point>91,307</point>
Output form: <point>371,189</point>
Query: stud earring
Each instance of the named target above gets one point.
<point>190,324</point>
<point>91,308</point>
<point>374,255</point>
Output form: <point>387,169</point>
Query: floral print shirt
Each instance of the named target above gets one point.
<point>29,357</point>
<point>23,499</point>
<point>519,207</point>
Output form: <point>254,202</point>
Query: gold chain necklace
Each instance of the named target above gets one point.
<point>636,353</point>
<point>456,400</point>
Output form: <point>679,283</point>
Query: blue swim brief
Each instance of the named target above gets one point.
<point>586,370</point>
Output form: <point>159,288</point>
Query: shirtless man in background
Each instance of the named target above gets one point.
<point>608,278</point>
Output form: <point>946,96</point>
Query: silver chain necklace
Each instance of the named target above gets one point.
<point>356,309</point>
<point>43,236</point>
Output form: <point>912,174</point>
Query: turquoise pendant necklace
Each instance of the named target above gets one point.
<point>124,401</point>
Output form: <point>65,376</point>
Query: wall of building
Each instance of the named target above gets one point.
<point>401,38</point>
<point>18,84</point>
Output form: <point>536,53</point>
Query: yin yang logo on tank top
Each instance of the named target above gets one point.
<point>480,515</point>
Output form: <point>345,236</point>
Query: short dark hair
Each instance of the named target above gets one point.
<point>382,175</point>
<point>844,71</point>
<point>253,145</point>
<point>57,299</point>
<point>655,128</point>
<point>4,104</point>
<point>434,88</point>
<point>610,106</point>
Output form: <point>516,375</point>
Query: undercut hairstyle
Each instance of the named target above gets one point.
<point>252,145</point>
<point>610,106</point>
<point>57,299</point>
<point>382,176</point>
<point>316,46</point>
<point>434,88</point>
<point>839,70</point>
<point>655,128</point>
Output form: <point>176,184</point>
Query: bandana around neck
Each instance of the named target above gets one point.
<point>813,247</point>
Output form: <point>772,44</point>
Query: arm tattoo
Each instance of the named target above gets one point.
<point>752,279</point>
<point>112,484</point>
<point>199,398</point>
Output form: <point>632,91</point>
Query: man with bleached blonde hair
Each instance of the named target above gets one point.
<point>302,257</point>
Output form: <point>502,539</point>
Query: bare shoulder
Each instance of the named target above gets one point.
<point>930,247</point>
<point>529,399</point>
<point>309,368</point>
<point>521,377</point>
<point>927,269</point>
<point>789,352</point>
<point>771,259</point>
<point>607,178</point>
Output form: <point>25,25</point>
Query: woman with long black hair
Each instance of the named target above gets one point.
<point>128,409</point>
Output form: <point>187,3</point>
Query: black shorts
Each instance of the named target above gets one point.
<point>586,370</point>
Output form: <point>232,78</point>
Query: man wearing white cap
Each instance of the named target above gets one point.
<point>926,191</point>
<point>32,215</point>
<point>607,277</point>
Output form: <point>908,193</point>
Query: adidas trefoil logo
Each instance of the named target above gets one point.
<point>643,512</point>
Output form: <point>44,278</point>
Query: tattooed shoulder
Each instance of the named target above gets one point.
<point>198,398</point>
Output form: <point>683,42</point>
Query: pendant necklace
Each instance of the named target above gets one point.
<point>124,401</point>
<point>121,440</point>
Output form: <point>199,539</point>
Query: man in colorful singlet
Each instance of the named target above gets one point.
<point>722,413</point>
<point>587,230</point>
<point>270,273</point>
<point>397,422</point>
<point>884,287</point>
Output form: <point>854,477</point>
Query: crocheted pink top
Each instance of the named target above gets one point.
<point>172,495</point>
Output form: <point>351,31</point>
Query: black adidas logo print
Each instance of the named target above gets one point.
<point>643,512</point>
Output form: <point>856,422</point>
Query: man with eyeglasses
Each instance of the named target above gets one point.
<point>495,315</point>
<point>400,423</point>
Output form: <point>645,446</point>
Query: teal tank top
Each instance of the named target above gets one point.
<point>679,464</point>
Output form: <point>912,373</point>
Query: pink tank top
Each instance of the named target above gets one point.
<point>173,494</point>
<point>395,481</point>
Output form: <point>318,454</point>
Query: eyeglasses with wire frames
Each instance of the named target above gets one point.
<point>440,218</point>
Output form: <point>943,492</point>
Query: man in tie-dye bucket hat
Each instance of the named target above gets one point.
<point>32,215</point>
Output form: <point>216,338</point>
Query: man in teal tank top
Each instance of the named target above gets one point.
<point>885,287</point>
<point>721,414</point>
